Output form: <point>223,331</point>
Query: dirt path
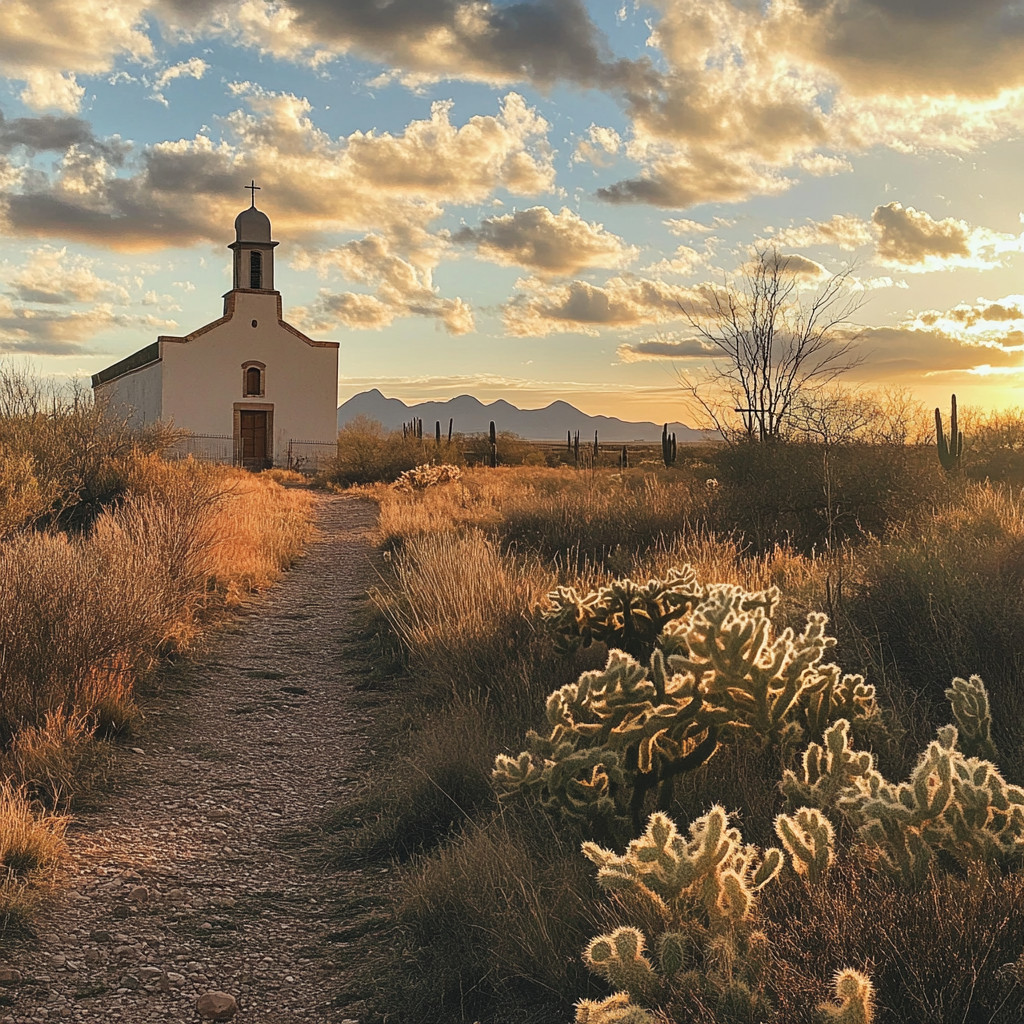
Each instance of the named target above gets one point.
<point>201,872</point>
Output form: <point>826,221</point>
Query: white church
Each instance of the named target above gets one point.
<point>248,381</point>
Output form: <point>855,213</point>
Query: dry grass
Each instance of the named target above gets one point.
<point>936,592</point>
<point>31,846</point>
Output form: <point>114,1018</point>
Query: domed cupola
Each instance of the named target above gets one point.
<point>253,249</point>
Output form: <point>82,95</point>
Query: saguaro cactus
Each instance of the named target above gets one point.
<point>493,451</point>
<point>951,451</point>
<point>668,446</point>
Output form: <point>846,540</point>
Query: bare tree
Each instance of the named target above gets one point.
<point>769,346</point>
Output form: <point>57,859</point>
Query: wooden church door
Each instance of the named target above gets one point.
<point>253,432</point>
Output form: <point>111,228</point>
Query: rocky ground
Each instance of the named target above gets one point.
<point>203,871</point>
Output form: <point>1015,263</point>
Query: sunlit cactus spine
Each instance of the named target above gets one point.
<point>616,1009</point>
<point>954,810</point>
<point>809,839</point>
<point>702,888</point>
<point>856,998</point>
<point>951,451</point>
<point>969,701</point>
<point>619,959</point>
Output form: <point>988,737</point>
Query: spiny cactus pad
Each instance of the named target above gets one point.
<point>856,997</point>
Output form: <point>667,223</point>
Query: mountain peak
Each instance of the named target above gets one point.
<point>472,416</point>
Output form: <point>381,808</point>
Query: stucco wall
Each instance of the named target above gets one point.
<point>137,393</point>
<point>203,378</point>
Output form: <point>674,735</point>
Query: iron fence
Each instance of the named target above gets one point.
<point>311,456</point>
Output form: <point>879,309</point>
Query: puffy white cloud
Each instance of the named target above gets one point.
<point>54,277</point>
<point>185,190</point>
<point>41,38</point>
<point>61,332</point>
<point>541,308</point>
<point>51,90</point>
<point>751,95</point>
<point>598,147</point>
<point>403,282</point>
<point>685,261</point>
<point>194,67</point>
<point>541,41</point>
<point>547,243</point>
<point>914,241</point>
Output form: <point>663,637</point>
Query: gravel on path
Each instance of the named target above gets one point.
<point>202,871</point>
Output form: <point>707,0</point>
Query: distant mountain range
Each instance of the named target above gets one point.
<point>472,416</point>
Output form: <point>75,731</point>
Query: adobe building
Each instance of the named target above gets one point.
<point>249,383</point>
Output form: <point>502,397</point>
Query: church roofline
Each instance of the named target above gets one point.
<point>136,361</point>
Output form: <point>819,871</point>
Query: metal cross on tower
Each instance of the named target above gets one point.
<point>253,188</point>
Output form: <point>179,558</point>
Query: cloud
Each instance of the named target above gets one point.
<point>681,178</point>
<point>906,353</point>
<point>42,41</point>
<point>190,189</point>
<point>688,228</point>
<point>192,68</point>
<point>403,282</point>
<point>665,346</point>
<point>540,41</point>
<point>59,332</point>
<point>751,96</point>
<point>842,230</point>
<point>598,147</point>
<point>51,90</point>
<point>540,308</point>
<point>547,243</point>
<point>914,241</point>
<point>55,277</point>
<point>986,321</point>
<point>684,261</point>
<point>57,134</point>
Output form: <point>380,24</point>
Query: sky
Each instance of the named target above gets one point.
<point>517,199</point>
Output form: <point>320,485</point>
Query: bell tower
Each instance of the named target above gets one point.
<point>253,249</point>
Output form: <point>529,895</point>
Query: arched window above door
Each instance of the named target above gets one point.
<point>253,382</point>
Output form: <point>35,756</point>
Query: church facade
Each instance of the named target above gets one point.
<point>248,380</point>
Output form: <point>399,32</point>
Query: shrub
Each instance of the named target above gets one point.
<point>421,477</point>
<point>619,734</point>
<point>368,453</point>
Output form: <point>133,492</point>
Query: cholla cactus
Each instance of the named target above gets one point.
<point>809,839</point>
<point>856,997</point>
<point>702,888</point>
<point>733,676</point>
<point>422,477</point>
<point>616,1009</point>
<point>969,701</point>
<point>828,771</point>
<point>759,682</point>
<point>711,874</point>
<point>624,614</point>
<point>954,808</point>
<point>619,959</point>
